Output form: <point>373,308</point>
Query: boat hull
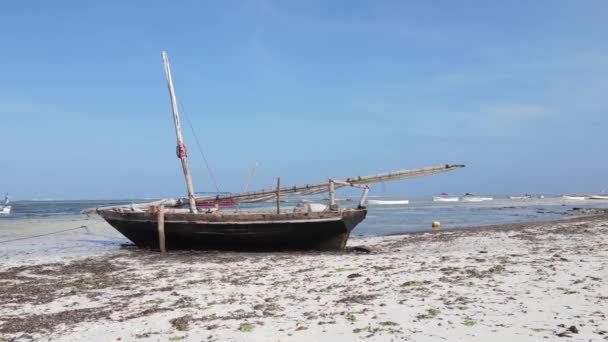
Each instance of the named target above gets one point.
<point>325,231</point>
<point>5,210</point>
<point>574,198</point>
<point>476,199</point>
<point>445,199</point>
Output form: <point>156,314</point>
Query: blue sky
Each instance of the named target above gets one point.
<point>308,89</point>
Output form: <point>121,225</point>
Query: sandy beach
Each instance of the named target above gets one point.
<point>528,282</point>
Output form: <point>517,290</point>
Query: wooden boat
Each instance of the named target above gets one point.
<point>5,209</point>
<point>165,224</point>
<point>325,231</point>
<point>387,202</point>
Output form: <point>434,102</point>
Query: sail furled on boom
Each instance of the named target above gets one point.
<point>318,188</point>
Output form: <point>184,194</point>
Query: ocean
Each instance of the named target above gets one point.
<point>381,219</point>
<point>54,230</point>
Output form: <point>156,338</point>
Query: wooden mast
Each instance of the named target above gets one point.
<point>181,147</point>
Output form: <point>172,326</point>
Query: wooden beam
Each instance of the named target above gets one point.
<point>278,195</point>
<point>332,194</point>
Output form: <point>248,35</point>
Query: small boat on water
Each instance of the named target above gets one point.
<point>574,198</point>
<point>387,202</point>
<point>598,197</point>
<point>445,197</point>
<point>474,198</point>
<point>5,209</point>
<point>524,197</point>
<point>165,224</point>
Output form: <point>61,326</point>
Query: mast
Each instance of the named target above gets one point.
<point>181,147</point>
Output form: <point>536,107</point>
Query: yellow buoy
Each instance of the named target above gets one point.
<point>436,224</point>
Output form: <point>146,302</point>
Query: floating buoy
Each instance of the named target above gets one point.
<point>436,224</point>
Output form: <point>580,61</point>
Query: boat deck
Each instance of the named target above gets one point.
<point>228,216</point>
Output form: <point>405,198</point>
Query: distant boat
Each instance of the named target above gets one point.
<point>574,198</point>
<point>601,195</point>
<point>473,198</point>
<point>445,197</point>
<point>5,209</point>
<point>520,197</point>
<point>383,202</point>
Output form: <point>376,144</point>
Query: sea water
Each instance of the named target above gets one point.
<point>381,219</point>
<point>53,230</point>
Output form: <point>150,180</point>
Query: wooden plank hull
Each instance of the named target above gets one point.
<point>259,232</point>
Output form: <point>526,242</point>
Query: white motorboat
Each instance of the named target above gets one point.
<point>5,209</point>
<point>574,198</point>
<point>598,197</point>
<point>520,197</point>
<point>474,198</point>
<point>445,199</point>
<point>386,202</point>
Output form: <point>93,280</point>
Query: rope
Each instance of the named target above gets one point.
<point>200,149</point>
<point>35,236</point>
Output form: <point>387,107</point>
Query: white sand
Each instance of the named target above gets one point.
<point>523,284</point>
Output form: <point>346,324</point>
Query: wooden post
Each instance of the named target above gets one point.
<point>161,228</point>
<point>332,195</point>
<point>181,147</point>
<point>278,195</point>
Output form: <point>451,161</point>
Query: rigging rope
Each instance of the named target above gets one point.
<point>200,149</point>
<point>35,236</point>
